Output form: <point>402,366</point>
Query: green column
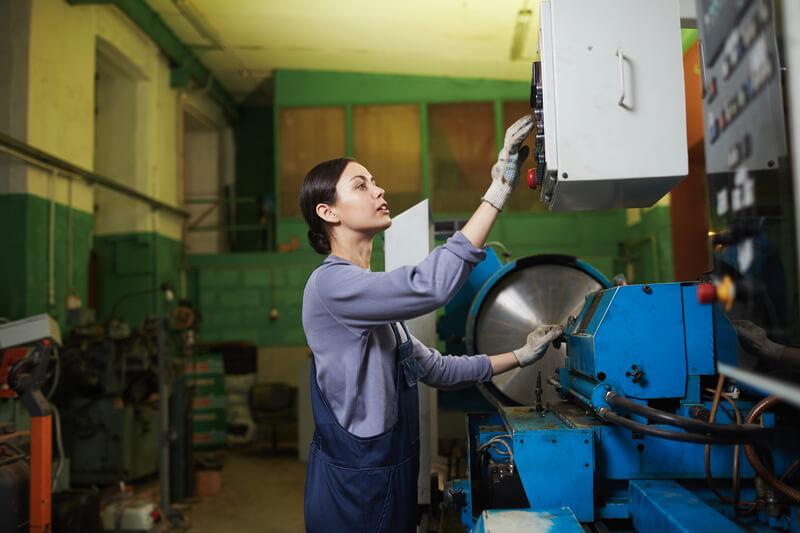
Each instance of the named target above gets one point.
<point>348,131</point>
<point>424,156</point>
<point>277,168</point>
<point>499,130</point>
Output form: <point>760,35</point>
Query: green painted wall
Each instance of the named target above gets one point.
<point>59,115</point>
<point>24,271</point>
<point>125,263</point>
<point>317,88</point>
<point>646,253</point>
<point>237,292</point>
<point>131,262</point>
<point>592,236</point>
<point>236,297</point>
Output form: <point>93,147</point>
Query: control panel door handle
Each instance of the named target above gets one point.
<point>621,57</point>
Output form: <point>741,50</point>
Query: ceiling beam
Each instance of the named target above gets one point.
<point>181,55</point>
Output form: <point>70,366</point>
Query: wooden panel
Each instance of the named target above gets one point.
<point>307,136</point>
<point>462,151</point>
<point>688,205</point>
<point>694,96</point>
<point>386,140</point>
<point>689,220</point>
<point>523,198</point>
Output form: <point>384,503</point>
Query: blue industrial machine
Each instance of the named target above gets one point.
<point>663,407</point>
<point>634,353</point>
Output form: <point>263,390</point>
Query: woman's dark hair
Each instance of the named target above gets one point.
<point>319,187</point>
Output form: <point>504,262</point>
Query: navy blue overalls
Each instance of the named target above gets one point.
<point>366,484</point>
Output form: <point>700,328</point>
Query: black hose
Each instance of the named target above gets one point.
<point>730,432</point>
<point>614,418</point>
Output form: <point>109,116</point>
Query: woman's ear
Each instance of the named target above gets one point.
<point>327,213</point>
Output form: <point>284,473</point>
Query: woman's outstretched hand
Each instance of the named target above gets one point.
<point>505,175</point>
<point>505,172</point>
<point>538,341</point>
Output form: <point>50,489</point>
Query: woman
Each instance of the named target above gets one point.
<point>364,458</point>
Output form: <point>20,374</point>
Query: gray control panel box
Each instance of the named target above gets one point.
<point>613,106</point>
<point>29,331</point>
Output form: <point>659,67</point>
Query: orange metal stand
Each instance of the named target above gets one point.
<point>41,464</point>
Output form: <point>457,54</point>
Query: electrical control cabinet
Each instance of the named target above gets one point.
<point>609,103</point>
<point>745,50</point>
<point>743,102</point>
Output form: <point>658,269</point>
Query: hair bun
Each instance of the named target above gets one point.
<point>319,242</point>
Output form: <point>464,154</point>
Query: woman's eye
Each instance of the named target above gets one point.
<point>361,186</point>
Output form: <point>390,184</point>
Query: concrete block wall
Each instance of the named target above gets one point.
<point>238,292</point>
<point>251,297</point>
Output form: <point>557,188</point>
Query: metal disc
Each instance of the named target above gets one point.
<point>514,306</point>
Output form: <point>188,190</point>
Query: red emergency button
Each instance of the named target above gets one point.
<point>723,292</point>
<point>531,179</point>
<point>706,294</point>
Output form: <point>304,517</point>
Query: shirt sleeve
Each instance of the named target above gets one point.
<point>361,299</point>
<point>450,371</point>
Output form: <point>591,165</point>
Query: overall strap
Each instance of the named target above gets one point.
<point>396,331</point>
<point>409,369</point>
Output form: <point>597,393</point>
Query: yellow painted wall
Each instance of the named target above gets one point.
<point>61,120</point>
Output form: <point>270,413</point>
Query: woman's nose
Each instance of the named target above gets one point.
<point>378,192</point>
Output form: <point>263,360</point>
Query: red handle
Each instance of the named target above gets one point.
<point>531,179</point>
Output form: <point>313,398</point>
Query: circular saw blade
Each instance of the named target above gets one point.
<point>515,305</point>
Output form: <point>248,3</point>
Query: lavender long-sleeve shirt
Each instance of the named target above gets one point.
<point>347,317</point>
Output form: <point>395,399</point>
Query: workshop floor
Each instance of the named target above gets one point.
<point>260,493</point>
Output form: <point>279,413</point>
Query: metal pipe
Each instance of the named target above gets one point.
<point>163,415</point>
<point>791,12</point>
<point>44,160</point>
<point>580,397</point>
<point>582,386</point>
<point>755,462</point>
<point>51,244</point>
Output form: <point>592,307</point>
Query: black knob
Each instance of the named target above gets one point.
<point>540,168</point>
<point>457,498</point>
<point>699,412</point>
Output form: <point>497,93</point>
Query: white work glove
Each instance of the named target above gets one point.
<point>505,173</point>
<point>538,341</point>
<point>755,339</point>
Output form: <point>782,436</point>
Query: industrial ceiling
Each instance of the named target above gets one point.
<point>243,41</point>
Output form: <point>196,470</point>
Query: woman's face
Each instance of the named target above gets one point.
<point>360,205</point>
